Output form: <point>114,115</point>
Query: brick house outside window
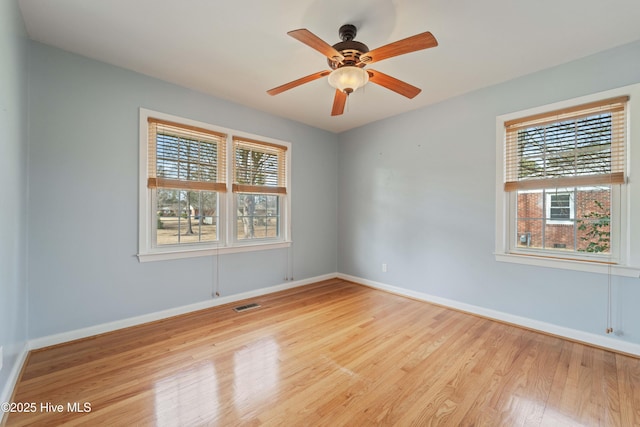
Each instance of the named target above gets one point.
<point>542,225</point>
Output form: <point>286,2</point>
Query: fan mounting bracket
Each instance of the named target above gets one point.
<point>347,32</point>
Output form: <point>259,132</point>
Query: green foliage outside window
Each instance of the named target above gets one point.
<point>596,225</point>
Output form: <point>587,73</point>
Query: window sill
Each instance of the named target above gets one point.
<point>199,252</point>
<point>570,264</point>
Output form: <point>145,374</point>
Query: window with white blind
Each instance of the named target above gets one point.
<point>562,187</point>
<point>205,189</point>
<point>581,145</point>
<point>186,174</point>
<point>259,184</point>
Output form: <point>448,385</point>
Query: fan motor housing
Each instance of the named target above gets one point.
<point>351,50</point>
<point>348,47</point>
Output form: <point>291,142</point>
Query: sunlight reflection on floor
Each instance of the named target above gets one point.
<point>188,397</point>
<point>256,373</point>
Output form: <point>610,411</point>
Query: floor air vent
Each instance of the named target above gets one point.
<point>246,307</point>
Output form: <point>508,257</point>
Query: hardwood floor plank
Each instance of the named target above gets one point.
<point>330,354</point>
<point>628,390</point>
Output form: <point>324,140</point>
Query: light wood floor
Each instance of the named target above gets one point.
<point>330,354</point>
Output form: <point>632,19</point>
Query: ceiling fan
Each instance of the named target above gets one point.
<point>347,60</point>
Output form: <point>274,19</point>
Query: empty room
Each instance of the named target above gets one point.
<point>320,213</point>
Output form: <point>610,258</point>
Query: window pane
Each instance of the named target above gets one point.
<point>186,159</point>
<point>168,217</point>
<point>529,219</point>
<point>529,233</point>
<point>258,216</point>
<point>207,216</point>
<point>559,236</point>
<point>530,204</point>
<point>256,167</point>
<point>593,216</point>
<point>573,220</point>
<point>531,152</point>
<point>566,148</point>
<point>186,217</point>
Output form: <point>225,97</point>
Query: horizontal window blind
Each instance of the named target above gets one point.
<point>185,157</point>
<point>577,146</point>
<point>259,167</point>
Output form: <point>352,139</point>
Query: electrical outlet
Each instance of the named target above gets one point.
<point>384,268</point>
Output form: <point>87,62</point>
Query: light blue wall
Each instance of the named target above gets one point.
<point>417,192</point>
<point>398,201</point>
<point>83,193</point>
<point>13,188</point>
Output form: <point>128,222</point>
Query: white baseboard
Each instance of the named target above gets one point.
<point>572,334</point>
<point>63,337</point>
<point>549,328</point>
<point>13,377</point>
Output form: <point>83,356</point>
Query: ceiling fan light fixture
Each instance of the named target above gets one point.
<point>348,58</point>
<point>348,79</point>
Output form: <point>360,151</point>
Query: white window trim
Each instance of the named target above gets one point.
<point>572,207</point>
<point>226,243</point>
<point>625,261</point>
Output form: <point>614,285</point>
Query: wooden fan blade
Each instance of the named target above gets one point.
<point>338,103</point>
<point>391,83</point>
<point>295,83</point>
<point>408,45</point>
<point>307,37</point>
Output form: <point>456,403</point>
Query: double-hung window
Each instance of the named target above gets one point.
<point>562,191</point>
<point>259,184</point>
<point>562,168</point>
<point>186,174</point>
<point>209,190</point>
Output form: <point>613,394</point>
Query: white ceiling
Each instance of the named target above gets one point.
<point>238,49</point>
